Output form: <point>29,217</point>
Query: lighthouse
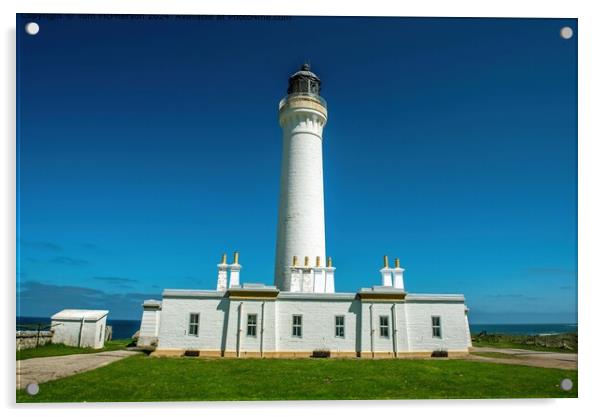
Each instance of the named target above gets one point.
<point>301,235</point>
<point>301,309</point>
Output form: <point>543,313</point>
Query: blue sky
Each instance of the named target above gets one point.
<point>147,147</point>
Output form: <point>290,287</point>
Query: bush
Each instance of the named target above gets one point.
<point>561,342</point>
<point>439,353</point>
<point>321,353</point>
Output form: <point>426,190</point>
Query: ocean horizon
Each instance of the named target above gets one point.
<point>124,329</point>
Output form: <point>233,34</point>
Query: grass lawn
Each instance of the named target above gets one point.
<point>142,378</point>
<point>511,345</point>
<point>60,349</point>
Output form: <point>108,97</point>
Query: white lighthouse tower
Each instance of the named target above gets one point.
<point>302,115</point>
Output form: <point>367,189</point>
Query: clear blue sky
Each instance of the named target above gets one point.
<point>146,148</point>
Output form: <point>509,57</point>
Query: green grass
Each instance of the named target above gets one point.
<point>512,345</point>
<point>142,378</point>
<point>495,355</point>
<point>60,349</point>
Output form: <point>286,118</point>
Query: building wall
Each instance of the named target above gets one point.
<point>239,342</point>
<point>318,325</point>
<point>223,326</point>
<point>68,332</point>
<point>174,325</point>
<point>453,326</point>
<point>96,336</point>
<point>371,339</point>
<point>149,327</point>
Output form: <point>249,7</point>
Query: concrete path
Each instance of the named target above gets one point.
<point>529,357</point>
<point>54,367</point>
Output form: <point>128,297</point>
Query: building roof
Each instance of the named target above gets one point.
<point>375,292</point>
<point>305,71</point>
<point>435,297</point>
<point>151,303</point>
<point>80,314</point>
<point>336,296</point>
<point>178,293</point>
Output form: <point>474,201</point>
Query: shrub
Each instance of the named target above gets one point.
<point>439,353</point>
<point>321,353</point>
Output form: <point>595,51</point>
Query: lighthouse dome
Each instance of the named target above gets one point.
<point>304,81</point>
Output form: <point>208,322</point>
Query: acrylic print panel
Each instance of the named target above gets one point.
<point>158,155</point>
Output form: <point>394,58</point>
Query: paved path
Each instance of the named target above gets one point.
<point>54,367</point>
<point>529,357</point>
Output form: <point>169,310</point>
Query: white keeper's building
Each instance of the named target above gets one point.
<point>302,315</point>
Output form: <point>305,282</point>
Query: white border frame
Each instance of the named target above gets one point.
<point>590,206</point>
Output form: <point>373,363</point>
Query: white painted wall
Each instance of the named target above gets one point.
<point>371,339</point>
<point>453,323</point>
<point>149,326</point>
<point>68,332</point>
<point>223,324</point>
<point>301,208</point>
<point>318,331</point>
<point>175,315</point>
<point>237,338</point>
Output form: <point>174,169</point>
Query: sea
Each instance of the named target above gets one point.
<point>524,329</point>
<point>124,329</point>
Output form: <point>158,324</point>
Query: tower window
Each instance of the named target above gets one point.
<point>339,326</point>
<point>252,325</point>
<point>193,324</point>
<point>384,326</point>
<point>436,323</point>
<point>297,325</point>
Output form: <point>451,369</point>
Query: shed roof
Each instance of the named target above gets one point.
<point>80,314</point>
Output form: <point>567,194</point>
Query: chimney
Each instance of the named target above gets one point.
<point>296,277</point>
<point>222,274</point>
<point>387,280</point>
<point>235,272</point>
<point>398,275</point>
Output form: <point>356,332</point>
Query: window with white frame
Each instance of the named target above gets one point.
<point>252,325</point>
<point>297,325</point>
<point>384,326</point>
<point>339,326</point>
<point>436,323</point>
<point>193,324</point>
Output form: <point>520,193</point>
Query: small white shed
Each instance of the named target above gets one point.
<point>82,328</point>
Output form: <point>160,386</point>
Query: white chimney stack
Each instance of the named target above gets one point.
<point>386,272</point>
<point>296,277</point>
<point>398,275</point>
<point>329,276</point>
<point>235,272</point>
<point>222,274</point>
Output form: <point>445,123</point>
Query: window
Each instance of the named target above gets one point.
<point>252,325</point>
<point>100,335</point>
<point>193,324</point>
<point>436,322</point>
<point>384,326</point>
<point>297,323</point>
<point>339,326</point>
